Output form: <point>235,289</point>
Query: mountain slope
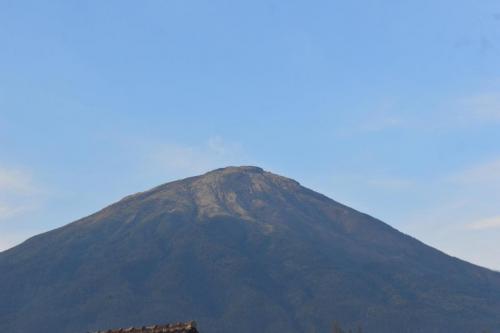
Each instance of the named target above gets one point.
<point>239,249</point>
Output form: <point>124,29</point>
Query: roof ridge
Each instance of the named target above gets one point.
<point>187,327</point>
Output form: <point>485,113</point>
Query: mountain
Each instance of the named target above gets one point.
<point>241,250</point>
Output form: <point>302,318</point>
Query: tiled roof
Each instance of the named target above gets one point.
<point>189,327</point>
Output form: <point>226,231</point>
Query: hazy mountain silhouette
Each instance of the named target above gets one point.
<point>239,250</point>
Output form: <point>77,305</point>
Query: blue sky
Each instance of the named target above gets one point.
<point>391,107</point>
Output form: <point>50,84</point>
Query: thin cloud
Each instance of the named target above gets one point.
<point>385,115</point>
<point>486,173</point>
<point>9,210</point>
<point>17,181</point>
<point>183,160</point>
<point>482,107</point>
<point>392,183</point>
<point>485,224</point>
<point>18,192</point>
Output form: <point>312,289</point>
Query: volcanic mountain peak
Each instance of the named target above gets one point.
<point>237,169</point>
<point>239,249</point>
<point>235,191</point>
<point>240,191</point>
<point>244,179</point>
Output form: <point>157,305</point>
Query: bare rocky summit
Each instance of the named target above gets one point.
<point>239,249</point>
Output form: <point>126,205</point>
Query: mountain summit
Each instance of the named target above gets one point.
<point>239,249</point>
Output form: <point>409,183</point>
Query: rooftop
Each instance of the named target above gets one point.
<point>189,327</point>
